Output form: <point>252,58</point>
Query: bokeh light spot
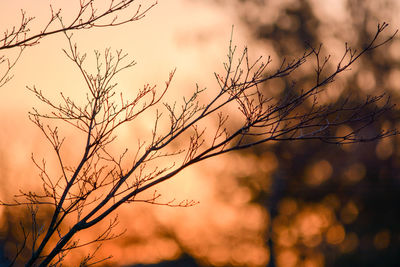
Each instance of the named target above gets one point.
<point>318,173</point>
<point>350,243</point>
<point>287,258</point>
<point>382,239</point>
<point>314,260</point>
<point>349,213</point>
<point>384,149</point>
<point>335,234</point>
<point>354,173</point>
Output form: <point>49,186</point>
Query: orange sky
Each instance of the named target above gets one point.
<point>193,37</point>
<point>190,36</point>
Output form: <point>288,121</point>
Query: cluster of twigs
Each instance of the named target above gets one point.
<point>100,183</point>
<point>88,16</point>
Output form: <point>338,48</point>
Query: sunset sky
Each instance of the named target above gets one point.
<point>193,37</point>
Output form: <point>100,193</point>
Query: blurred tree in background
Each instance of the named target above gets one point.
<point>331,205</point>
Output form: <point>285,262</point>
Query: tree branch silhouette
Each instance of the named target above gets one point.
<point>88,16</point>
<point>100,182</point>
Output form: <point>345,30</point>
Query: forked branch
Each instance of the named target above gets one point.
<point>101,182</point>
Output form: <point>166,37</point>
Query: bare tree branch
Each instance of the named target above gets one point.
<point>89,15</point>
<point>100,183</point>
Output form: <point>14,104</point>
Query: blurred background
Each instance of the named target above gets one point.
<point>285,204</point>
